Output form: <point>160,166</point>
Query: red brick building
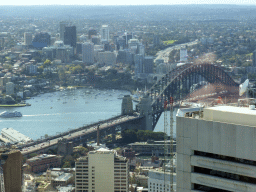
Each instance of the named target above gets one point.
<point>42,162</point>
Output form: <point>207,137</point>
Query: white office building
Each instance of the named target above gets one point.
<point>161,181</point>
<point>102,170</point>
<point>183,54</point>
<point>28,38</point>
<point>88,52</point>
<point>216,149</point>
<point>104,33</point>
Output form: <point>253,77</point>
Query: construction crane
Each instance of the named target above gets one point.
<point>165,142</point>
<point>171,146</point>
<point>171,158</point>
<point>2,189</point>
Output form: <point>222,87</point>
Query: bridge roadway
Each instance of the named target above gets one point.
<point>80,132</point>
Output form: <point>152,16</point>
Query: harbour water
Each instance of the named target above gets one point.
<point>51,113</point>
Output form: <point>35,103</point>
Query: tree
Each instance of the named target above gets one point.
<point>47,63</point>
<point>77,69</point>
<point>66,165</point>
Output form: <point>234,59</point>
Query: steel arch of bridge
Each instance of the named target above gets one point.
<point>184,77</point>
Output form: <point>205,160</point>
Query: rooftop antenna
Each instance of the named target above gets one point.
<point>244,88</point>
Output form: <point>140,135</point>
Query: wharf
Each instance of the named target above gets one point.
<point>14,105</point>
<point>4,139</point>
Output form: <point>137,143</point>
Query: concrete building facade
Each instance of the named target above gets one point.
<point>216,150</point>
<point>104,33</point>
<point>183,54</point>
<point>11,162</point>
<point>107,57</point>
<point>10,88</point>
<point>28,38</point>
<point>102,170</point>
<point>63,24</point>
<point>88,52</point>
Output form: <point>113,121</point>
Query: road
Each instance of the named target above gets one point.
<point>77,134</point>
<point>164,54</point>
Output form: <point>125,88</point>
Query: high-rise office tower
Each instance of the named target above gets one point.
<point>104,33</point>
<point>216,149</point>
<point>41,40</point>
<point>127,37</point>
<point>91,32</point>
<point>102,170</point>
<point>88,52</point>
<point>183,54</point>
<point>11,165</point>
<point>28,38</point>
<point>63,24</point>
<point>156,40</point>
<point>148,66</point>
<point>70,36</point>
<point>138,60</point>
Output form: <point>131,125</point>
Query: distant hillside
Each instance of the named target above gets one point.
<point>149,12</point>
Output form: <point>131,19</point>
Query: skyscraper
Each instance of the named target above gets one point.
<point>216,149</point>
<point>138,60</point>
<point>102,170</point>
<point>148,64</point>
<point>28,38</point>
<point>183,54</point>
<point>70,36</point>
<point>88,52</point>
<point>104,33</point>
<point>41,40</point>
<point>91,32</point>
<point>63,24</point>
<point>11,162</point>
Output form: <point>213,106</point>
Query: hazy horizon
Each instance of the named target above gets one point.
<point>131,2</point>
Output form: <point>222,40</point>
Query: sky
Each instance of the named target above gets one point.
<point>125,2</point>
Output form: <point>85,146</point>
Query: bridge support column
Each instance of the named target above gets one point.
<point>146,111</point>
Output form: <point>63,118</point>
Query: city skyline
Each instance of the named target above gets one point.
<point>132,2</point>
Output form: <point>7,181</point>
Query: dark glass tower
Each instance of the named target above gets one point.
<point>70,36</point>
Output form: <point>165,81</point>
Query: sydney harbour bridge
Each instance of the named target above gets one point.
<point>178,84</point>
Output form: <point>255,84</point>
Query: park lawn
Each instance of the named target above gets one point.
<point>169,42</point>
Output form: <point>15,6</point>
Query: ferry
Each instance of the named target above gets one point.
<point>7,114</point>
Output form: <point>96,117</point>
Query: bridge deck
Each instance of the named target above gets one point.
<point>77,134</point>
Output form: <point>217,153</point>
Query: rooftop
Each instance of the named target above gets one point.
<point>40,157</point>
<point>64,177</point>
<point>15,134</point>
<point>230,114</point>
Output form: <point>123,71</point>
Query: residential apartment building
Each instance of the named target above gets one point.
<point>102,170</point>
<point>10,88</point>
<point>216,149</point>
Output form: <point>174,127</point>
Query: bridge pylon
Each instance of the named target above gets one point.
<point>145,109</point>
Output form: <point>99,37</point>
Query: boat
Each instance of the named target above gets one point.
<point>7,114</point>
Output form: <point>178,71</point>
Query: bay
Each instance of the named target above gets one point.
<point>52,113</point>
